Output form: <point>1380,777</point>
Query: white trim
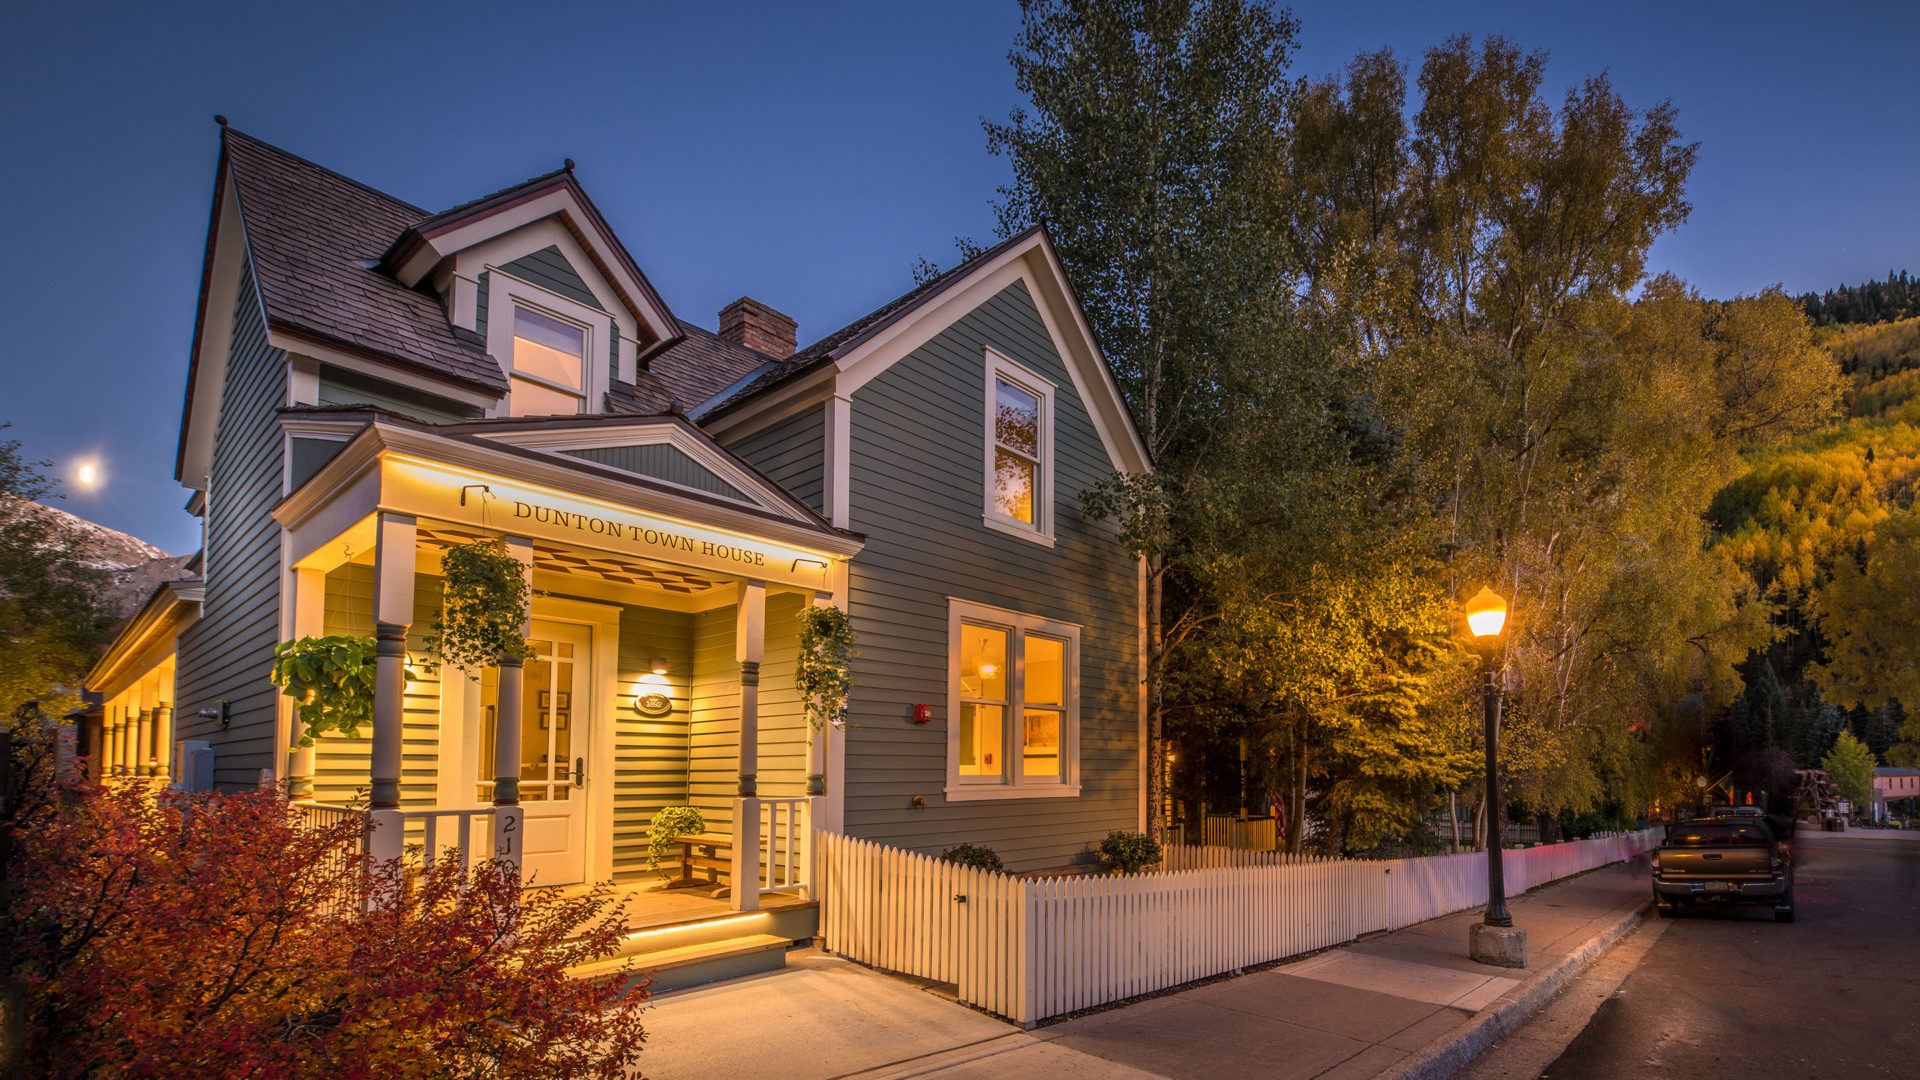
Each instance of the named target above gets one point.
<point>836,462</point>
<point>1011,784</point>
<point>506,292</point>
<point>703,453</point>
<point>303,380</point>
<point>231,253</point>
<point>292,343</point>
<point>1001,369</point>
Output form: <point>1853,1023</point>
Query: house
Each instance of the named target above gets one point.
<point>1891,784</point>
<point>371,382</point>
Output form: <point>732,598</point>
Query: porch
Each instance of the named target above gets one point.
<point>662,673</point>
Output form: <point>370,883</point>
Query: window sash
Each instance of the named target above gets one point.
<point>1022,503</point>
<point>1012,772</point>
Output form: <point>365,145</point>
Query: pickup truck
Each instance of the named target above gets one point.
<point>1722,861</point>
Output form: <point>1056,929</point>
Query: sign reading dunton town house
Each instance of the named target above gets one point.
<point>433,491</point>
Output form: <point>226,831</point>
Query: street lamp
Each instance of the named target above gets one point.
<point>1493,940</point>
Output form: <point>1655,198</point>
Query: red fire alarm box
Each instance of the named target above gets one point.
<point>922,714</point>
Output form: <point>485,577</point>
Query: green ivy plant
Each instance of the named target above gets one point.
<point>330,680</point>
<point>484,605</point>
<point>1129,852</point>
<point>669,822</point>
<point>824,672</point>
<point>977,856</point>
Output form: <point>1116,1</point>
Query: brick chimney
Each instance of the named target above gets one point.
<point>749,322</point>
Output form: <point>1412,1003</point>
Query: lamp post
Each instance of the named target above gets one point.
<point>1493,940</point>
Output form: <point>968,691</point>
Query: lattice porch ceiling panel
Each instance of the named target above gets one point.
<point>614,568</point>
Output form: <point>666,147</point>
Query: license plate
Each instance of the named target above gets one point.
<point>1718,886</point>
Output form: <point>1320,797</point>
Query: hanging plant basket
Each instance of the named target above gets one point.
<point>483,608</point>
<point>824,671</point>
<point>331,681</point>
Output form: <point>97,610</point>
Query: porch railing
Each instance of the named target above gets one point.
<point>462,831</point>
<point>786,841</point>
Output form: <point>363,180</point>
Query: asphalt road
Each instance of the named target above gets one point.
<point>1732,993</point>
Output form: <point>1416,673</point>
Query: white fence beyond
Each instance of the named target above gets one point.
<point>1033,948</point>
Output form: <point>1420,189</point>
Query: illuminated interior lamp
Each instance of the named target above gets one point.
<point>1486,614</point>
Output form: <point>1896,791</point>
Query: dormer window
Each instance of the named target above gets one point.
<point>549,365</point>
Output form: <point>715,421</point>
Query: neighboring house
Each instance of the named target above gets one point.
<point>1891,784</point>
<point>371,382</point>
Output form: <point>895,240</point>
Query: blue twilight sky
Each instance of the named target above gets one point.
<point>804,154</point>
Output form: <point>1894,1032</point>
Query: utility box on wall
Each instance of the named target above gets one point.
<point>194,760</point>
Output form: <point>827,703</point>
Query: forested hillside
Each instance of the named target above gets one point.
<point>1898,297</point>
<point>1825,526</point>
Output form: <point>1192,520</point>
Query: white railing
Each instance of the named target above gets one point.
<point>460,831</point>
<point>786,833</point>
<point>1033,948</point>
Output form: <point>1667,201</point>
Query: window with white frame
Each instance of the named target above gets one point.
<point>1013,711</point>
<point>549,364</point>
<point>1019,444</point>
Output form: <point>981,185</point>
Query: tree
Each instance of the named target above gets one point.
<point>1149,143</point>
<point>165,934</point>
<point>54,616</point>
<point>1849,768</point>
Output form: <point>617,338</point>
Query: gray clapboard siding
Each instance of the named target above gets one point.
<point>917,493</point>
<point>792,452</point>
<point>307,457</point>
<point>712,752</point>
<point>662,462</point>
<point>228,653</point>
<point>338,387</point>
<point>650,754</point>
<point>342,766</point>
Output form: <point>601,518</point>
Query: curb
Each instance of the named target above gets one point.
<point>1451,1052</point>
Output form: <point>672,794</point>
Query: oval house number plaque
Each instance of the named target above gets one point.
<point>653,705</point>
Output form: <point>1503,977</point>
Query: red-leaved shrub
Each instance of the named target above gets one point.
<point>223,935</point>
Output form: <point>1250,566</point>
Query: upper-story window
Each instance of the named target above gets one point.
<point>1019,442</point>
<point>549,365</point>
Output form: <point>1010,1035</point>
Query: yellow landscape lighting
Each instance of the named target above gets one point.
<point>763,915</point>
<point>1486,613</point>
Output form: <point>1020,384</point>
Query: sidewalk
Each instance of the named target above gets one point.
<point>1399,1002</point>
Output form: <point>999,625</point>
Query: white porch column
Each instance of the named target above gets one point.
<point>143,743</point>
<point>116,732</point>
<point>163,723</point>
<point>309,620</point>
<point>508,818</point>
<point>750,646</point>
<point>393,563</point>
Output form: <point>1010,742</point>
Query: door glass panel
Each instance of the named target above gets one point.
<point>556,717</point>
<point>536,757</point>
<point>983,662</point>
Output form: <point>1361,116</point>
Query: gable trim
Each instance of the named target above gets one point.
<point>228,259</point>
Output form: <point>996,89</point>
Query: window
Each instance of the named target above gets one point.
<point>1019,458</point>
<point>549,365</point>
<point>1013,704</point>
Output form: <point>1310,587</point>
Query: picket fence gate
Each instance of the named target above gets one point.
<point>1031,948</point>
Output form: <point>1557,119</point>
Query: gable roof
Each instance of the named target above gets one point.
<point>314,237</point>
<point>774,373</point>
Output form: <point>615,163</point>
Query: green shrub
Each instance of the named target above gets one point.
<point>1129,852</point>
<point>977,856</point>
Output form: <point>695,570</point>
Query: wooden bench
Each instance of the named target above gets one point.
<point>704,851</point>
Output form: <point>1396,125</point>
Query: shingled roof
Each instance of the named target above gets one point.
<point>314,237</point>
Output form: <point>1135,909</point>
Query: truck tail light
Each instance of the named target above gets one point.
<point>1656,862</point>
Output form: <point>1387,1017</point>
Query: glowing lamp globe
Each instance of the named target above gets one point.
<point>1486,614</point>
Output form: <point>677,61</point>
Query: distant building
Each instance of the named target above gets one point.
<point>1891,784</point>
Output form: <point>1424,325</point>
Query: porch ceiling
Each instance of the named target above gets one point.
<point>558,559</point>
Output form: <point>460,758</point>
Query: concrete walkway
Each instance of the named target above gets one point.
<point>1403,1002</point>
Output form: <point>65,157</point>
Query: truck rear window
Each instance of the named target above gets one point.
<point>1716,834</point>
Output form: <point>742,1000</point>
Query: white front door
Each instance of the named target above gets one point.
<point>555,719</point>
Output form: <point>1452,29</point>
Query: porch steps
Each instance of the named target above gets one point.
<point>680,966</point>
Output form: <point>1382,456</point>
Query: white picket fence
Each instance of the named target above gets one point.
<point>1030,948</point>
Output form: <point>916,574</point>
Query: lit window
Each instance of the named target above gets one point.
<point>549,364</point>
<point>1013,704</point>
<point>1019,441</point>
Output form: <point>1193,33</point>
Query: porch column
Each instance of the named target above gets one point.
<point>750,644</point>
<point>116,728</point>
<point>817,739</point>
<point>309,620</point>
<point>143,743</point>
<point>393,559</point>
<point>507,718</point>
<point>162,740</point>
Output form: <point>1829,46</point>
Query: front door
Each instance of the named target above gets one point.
<point>555,715</point>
